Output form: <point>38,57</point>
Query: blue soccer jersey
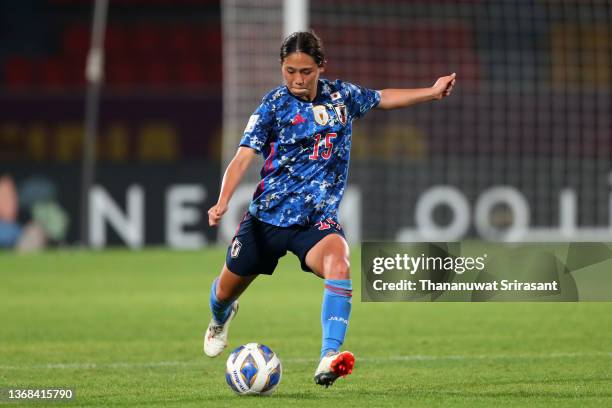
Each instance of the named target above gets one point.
<point>306,146</point>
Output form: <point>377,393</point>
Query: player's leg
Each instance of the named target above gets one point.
<point>329,259</point>
<point>241,266</point>
<point>224,293</point>
<point>253,251</point>
<point>224,290</point>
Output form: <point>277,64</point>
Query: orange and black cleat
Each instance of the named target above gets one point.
<point>334,366</point>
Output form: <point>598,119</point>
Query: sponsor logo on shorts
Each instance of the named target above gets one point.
<point>323,225</point>
<point>236,245</point>
<point>327,224</point>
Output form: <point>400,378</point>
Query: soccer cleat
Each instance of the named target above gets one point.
<point>215,338</point>
<point>333,366</point>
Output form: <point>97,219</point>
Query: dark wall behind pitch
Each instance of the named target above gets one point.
<point>154,179</point>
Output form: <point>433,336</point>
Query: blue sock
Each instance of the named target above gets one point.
<point>335,313</point>
<point>220,310</point>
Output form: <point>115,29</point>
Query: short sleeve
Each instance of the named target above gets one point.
<point>359,99</point>
<point>258,127</point>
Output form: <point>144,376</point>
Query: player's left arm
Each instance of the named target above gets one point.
<point>401,98</point>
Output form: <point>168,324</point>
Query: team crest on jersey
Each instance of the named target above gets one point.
<point>335,96</point>
<point>320,114</point>
<point>236,246</point>
<point>341,113</point>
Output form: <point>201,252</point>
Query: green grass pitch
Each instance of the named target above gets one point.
<point>125,329</point>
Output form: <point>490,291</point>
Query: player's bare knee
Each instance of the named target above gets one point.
<point>337,268</point>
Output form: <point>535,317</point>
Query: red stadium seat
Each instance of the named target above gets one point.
<point>18,73</point>
<point>76,39</point>
<point>116,41</point>
<point>191,72</point>
<point>53,74</point>
<point>210,38</point>
<point>121,73</point>
<point>146,39</point>
<point>181,40</point>
<point>74,68</point>
<point>212,73</point>
<point>156,73</point>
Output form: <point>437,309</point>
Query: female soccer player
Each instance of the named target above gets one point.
<point>303,130</point>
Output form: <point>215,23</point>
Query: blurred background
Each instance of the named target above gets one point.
<point>520,152</point>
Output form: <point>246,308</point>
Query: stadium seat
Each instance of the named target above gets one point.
<point>156,72</point>
<point>146,39</point>
<point>18,73</point>
<point>191,72</point>
<point>121,73</point>
<point>53,74</point>
<point>76,39</point>
<point>181,40</point>
<point>116,41</point>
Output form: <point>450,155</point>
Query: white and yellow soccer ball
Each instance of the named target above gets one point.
<point>253,369</point>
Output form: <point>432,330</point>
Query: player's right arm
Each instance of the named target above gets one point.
<point>233,174</point>
<point>254,138</point>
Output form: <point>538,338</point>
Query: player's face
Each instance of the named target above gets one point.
<point>301,75</point>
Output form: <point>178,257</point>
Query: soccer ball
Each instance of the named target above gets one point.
<point>253,369</point>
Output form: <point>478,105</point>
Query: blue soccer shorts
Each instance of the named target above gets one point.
<point>257,246</point>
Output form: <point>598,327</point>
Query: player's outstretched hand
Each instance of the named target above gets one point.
<point>444,86</point>
<point>215,213</point>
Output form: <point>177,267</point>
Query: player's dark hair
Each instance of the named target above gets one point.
<point>306,42</point>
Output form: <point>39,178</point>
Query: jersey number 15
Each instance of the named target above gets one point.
<point>329,145</point>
